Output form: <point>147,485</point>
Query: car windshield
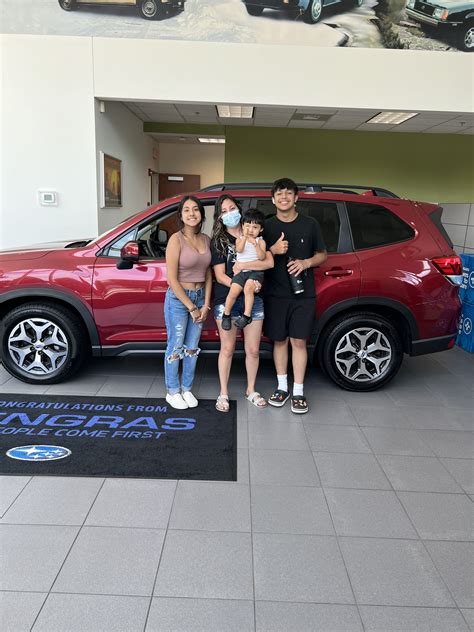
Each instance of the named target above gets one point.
<point>124,221</point>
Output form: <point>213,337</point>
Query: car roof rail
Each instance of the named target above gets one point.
<point>306,187</point>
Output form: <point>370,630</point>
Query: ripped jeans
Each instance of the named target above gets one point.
<point>183,340</point>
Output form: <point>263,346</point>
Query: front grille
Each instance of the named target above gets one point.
<point>422,7</point>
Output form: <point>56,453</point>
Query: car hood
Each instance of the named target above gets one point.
<point>35,251</point>
<point>451,5</point>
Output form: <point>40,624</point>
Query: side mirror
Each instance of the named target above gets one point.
<point>129,255</point>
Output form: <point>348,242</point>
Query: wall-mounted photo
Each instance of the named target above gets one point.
<point>110,181</point>
<point>433,25</point>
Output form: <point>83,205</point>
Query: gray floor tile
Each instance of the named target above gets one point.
<point>242,432</point>
<point>10,488</point>
<point>336,439</point>
<point>463,471</point>
<point>16,386</point>
<point>438,418</point>
<point>331,413</point>
<point>393,573</point>
<point>126,386</point>
<point>133,503</point>
<point>92,613</point>
<point>54,500</point>
<point>440,516</point>
<point>418,473</point>
<point>359,512</point>
<point>277,436</point>
<point>83,384</point>
<point>412,395</point>
<point>455,444</point>
<point>243,467</point>
<point>387,417</point>
<point>397,441</point>
<point>306,617</point>
<point>375,398</point>
<point>4,375</point>
<point>284,567</point>
<point>271,415</point>
<point>111,561</point>
<point>18,610</point>
<point>389,619</point>
<point>207,565</point>
<point>157,388</point>
<point>278,509</point>
<point>211,507</point>
<point>455,562</point>
<point>31,556</point>
<point>282,467</point>
<point>350,470</point>
<point>468,614</point>
<point>200,615</point>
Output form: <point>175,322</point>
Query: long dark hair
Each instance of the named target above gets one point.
<point>180,211</point>
<point>220,238</point>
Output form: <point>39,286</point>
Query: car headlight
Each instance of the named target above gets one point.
<point>441,14</point>
<point>411,4</point>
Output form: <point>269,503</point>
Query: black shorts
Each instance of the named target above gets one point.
<point>241,278</point>
<point>293,317</point>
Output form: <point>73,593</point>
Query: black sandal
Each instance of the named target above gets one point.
<point>226,322</point>
<point>299,405</point>
<point>242,321</point>
<point>279,398</point>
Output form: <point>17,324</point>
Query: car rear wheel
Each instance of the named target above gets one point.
<point>151,9</point>
<point>313,12</point>
<point>67,5</point>
<point>253,9</point>
<point>466,37</point>
<point>361,352</point>
<point>42,343</point>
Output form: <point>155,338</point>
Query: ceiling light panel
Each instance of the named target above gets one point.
<point>391,118</point>
<point>212,141</point>
<point>235,111</point>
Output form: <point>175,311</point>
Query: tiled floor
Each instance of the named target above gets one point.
<point>355,517</point>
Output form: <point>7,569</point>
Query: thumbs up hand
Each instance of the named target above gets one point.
<point>280,247</point>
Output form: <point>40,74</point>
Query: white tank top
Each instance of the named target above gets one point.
<point>249,252</point>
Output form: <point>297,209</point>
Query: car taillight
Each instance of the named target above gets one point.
<point>451,267</point>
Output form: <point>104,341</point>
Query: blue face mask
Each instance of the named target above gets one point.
<point>231,219</point>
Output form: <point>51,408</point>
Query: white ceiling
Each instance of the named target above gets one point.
<point>277,116</point>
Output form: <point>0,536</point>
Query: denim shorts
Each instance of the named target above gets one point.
<point>238,309</point>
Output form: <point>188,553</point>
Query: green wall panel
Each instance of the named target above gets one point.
<point>431,167</point>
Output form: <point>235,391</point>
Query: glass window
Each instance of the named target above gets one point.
<point>327,216</point>
<point>115,248</point>
<point>374,226</point>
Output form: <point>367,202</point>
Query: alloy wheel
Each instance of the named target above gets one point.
<point>316,9</point>
<point>38,346</point>
<point>469,38</point>
<point>149,8</point>
<point>363,354</point>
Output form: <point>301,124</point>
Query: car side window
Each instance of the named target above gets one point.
<point>114,249</point>
<point>327,216</point>
<point>374,225</point>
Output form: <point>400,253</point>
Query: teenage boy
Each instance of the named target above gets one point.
<point>297,246</point>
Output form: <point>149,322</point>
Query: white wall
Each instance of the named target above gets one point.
<point>206,161</point>
<point>47,132</point>
<point>119,133</point>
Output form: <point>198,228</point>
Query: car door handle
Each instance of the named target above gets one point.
<point>338,272</point>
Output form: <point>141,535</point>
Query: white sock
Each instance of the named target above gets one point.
<point>298,390</point>
<point>282,382</point>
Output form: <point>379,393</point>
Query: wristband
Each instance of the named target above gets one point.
<point>192,310</point>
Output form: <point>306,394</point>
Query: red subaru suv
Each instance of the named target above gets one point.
<point>388,287</point>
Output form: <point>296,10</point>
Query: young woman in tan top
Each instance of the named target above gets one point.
<point>187,301</point>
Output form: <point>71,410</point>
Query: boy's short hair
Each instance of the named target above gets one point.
<point>253,216</point>
<point>284,183</point>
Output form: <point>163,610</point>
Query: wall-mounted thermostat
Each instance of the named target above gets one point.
<point>48,198</point>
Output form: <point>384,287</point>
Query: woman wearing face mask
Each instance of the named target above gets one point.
<point>226,229</point>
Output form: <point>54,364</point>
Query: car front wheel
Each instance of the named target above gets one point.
<point>253,9</point>
<point>151,9</point>
<point>466,37</point>
<point>67,5</point>
<point>42,343</point>
<point>361,352</point>
<point>313,12</point>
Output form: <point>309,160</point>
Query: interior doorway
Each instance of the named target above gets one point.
<point>171,184</point>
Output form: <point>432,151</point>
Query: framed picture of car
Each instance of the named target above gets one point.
<point>148,9</point>
<point>110,181</point>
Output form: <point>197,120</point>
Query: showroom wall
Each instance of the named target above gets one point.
<point>206,161</point>
<point>119,133</point>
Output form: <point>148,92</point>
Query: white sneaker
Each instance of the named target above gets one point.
<point>190,400</point>
<point>176,401</point>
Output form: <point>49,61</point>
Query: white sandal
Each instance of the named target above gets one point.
<point>222,404</point>
<point>256,399</point>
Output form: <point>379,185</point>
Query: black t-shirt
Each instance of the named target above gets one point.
<point>229,258</point>
<point>304,239</point>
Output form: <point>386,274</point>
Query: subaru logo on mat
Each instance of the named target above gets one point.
<point>38,453</point>
<point>467,326</point>
<point>471,280</point>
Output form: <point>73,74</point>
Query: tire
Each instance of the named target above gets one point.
<point>466,37</point>
<point>313,12</point>
<point>32,325</point>
<point>253,9</point>
<point>370,370</point>
<point>67,5</point>
<point>151,9</point>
